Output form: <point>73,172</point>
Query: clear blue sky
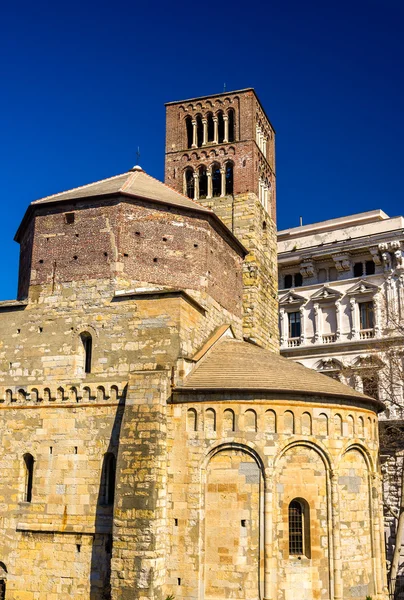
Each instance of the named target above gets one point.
<point>84,84</point>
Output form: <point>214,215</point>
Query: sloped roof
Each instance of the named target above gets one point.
<point>134,183</point>
<point>235,365</point>
<point>138,185</point>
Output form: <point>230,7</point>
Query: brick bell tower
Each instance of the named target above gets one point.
<point>220,151</point>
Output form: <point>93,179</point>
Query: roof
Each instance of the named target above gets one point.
<point>138,185</point>
<point>135,183</point>
<point>236,365</point>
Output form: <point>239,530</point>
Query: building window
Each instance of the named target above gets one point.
<point>298,280</point>
<point>211,128</point>
<point>370,385</point>
<point>358,269</point>
<point>216,180</point>
<point>229,178</point>
<point>189,184</point>
<point>189,129</point>
<point>366,315</point>
<point>369,267</point>
<point>288,281</point>
<point>29,476</point>
<point>296,546</point>
<point>299,528</point>
<point>108,479</point>
<point>293,279</point>
<point>220,127</point>
<point>199,131</point>
<point>203,182</point>
<point>294,324</point>
<point>87,342</point>
<point>231,125</point>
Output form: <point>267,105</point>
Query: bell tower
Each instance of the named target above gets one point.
<point>220,151</point>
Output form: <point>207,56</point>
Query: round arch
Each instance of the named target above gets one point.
<point>325,457</point>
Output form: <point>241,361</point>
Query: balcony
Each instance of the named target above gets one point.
<point>329,338</point>
<point>293,342</point>
<point>366,334</point>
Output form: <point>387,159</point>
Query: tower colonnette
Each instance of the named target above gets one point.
<point>220,151</point>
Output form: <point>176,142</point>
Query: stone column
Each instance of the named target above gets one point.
<point>258,136</point>
<point>378,559</point>
<point>194,140</point>
<point>283,331</point>
<point>400,286</point>
<point>138,567</point>
<point>338,319</point>
<point>270,566</point>
<point>354,319</point>
<point>336,536</point>
<point>209,175</point>
<point>317,323</point>
<point>264,147</point>
<point>377,314</point>
<point>226,129</point>
<point>196,186</point>
<point>205,132</point>
<point>215,130</point>
<point>302,324</point>
<point>391,300</point>
<point>223,182</point>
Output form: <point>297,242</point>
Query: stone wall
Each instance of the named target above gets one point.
<point>225,455</point>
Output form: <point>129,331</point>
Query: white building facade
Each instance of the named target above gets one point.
<point>341,312</point>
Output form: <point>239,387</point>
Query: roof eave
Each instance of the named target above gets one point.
<point>378,404</point>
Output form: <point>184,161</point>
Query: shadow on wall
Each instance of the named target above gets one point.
<point>100,571</point>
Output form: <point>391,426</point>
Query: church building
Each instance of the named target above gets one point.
<point>154,441</point>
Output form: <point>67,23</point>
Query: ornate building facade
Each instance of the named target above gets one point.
<point>154,442</point>
<point>341,297</point>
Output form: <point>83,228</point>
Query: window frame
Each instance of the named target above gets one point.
<point>304,547</point>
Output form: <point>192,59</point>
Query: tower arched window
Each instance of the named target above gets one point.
<point>87,342</point>
<point>203,182</point>
<point>220,127</point>
<point>216,180</point>
<point>108,479</point>
<point>299,528</point>
<point>29,476</point>
<point>199,131</point>
<point>189,183</point>
<point>231,125</point>
<point>189,131</point>
<point>211,128</point>
<point>229,178</point>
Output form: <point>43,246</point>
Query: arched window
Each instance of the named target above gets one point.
<point>189,184</point>
<point>299,528</point>
<point>216,180</point>
<point>220,127</point>
<point>29,475</point>
<point>231,125</point>
<point>211,128</point>
<point>189,130</point>
<point>229,178</point>
<point>87,342</point>
<point>203,182</point>
<point>199,131</point>
<point>108,479</point>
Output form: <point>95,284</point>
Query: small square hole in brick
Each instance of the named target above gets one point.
<point>243,523</point>
<point>69,218</point>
